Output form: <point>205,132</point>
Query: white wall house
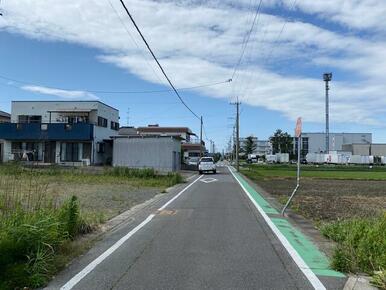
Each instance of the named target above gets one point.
<point>63,132</point>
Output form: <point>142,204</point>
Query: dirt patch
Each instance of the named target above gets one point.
<point>331,199</point>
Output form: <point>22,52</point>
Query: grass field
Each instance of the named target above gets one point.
<point>326,192</point>
<point>102,192</point>
<point>348,204</point>
<point>319,172</point>
<point>44,211</point>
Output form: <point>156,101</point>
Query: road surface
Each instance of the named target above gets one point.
<point>208,235</point>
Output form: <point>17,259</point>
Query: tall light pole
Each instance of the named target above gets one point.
<point>327,77</point>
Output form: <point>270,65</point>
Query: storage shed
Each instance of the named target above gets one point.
<point>162,153</point>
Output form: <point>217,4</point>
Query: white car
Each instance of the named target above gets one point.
<point>206,164</point>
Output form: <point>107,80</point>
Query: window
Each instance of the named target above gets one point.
<point>102,122</point>
<point>69,152</point>
<point>86,151</point>
<point>29,119</point>
<point>114,126</point>
<point>68,127</point>
<point>304,145</point>
<point>43,127</point>
<point>101,147</point>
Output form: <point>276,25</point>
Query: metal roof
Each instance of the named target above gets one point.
<point>5,114</point>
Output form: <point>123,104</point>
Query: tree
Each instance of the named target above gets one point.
<point>282,142</point>
<point>249,145</point>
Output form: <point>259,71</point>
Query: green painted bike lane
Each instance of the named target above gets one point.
<point>312,256</point>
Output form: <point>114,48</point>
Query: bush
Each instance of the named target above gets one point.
<point>132,172</point>
<point>30,241</point>
<point>361,244</point>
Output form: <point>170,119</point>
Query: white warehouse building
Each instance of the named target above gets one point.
<point>316,142</point>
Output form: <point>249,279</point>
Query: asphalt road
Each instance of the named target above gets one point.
<point>209,237</point>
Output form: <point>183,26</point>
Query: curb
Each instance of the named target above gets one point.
<point>359,283</point>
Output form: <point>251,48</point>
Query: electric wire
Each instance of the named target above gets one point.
<point>248,35</point>
<point>268,57</point>
<point>133,40</point>
<point>155,58</point>
<point>111,92</point>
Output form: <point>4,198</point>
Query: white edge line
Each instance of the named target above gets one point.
<point>181,192</point>
<point>314,280</point>
<point>78,277</point>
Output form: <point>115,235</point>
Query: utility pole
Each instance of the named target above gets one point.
<point>201,137</point>
<point>237,103</point>
<point>327,77</point>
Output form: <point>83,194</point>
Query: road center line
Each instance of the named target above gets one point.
<point>310,275</point>
<point>78,277</point>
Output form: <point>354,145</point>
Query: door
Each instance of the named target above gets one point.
<point>49,152</point>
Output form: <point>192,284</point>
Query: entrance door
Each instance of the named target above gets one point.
<point>49,152</point>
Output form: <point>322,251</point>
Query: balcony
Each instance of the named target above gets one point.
<point>42,131</point>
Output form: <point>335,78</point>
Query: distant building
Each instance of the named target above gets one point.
<point>62,132</point>
<point>128,131</point>
<point>162,153</point>
<point>263,147</point>
<point>366,149</point>
<point>5,117</point>
<point>190,143</point>
<point>316,142</point>
<point>184,132</point>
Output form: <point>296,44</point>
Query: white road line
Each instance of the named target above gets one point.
<point>191,177</point>
<point>78,277</point>
<point>314,280</point>
<point>181,192</point>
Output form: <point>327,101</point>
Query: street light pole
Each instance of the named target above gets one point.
<point>327,77</point>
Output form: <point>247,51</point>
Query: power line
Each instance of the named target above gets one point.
<point>136,44</point>
<point>114,92</point>
<point>246,40</point>
<point>267,58</point>
<point>158,63</point>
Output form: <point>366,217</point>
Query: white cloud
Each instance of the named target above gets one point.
<point>67,94</point>
<point>200,41</point>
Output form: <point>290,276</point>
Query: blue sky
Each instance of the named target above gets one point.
<point>71,49</point>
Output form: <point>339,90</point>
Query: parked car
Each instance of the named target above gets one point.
<point>206,164</point>
<point>193,161</point>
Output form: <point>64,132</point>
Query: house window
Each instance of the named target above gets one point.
<point>69,152</point>
<point>102,122</point>
<point>101,146</point>
<point>114,126</point>
<point>29,119</point>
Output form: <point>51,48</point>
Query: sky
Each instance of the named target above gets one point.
<point>83,50</point>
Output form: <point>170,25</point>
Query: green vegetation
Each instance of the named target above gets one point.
<point>281,142</point>
<point>33,228</point>
<point>249,145</point>
<point>349,202</point>
<point>361,245</point>
<point>379,279</point>
<point>44,210</point>
<point>259,172</point>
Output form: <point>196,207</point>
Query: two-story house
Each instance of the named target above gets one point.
<point>62,132</point>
